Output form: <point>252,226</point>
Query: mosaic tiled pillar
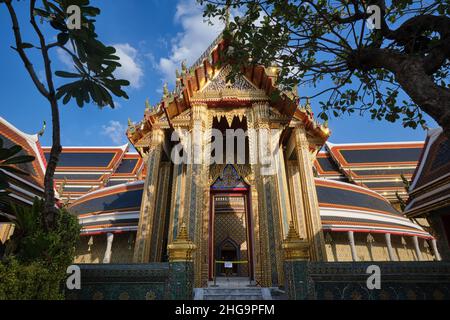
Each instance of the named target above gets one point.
<point>181,271</point>
<point>313,224</point>
<point>283,190</point>
<point>177,200</point>
<point>298,216</point>
<point>148,207</point>
<point>161,212</point>
<point>195,211</point>
<point>268,204</point>
<point>255,232</point>
<point>296,255</point>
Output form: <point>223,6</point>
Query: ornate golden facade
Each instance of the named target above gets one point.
<point>264,205</point>
<point>243,209</point>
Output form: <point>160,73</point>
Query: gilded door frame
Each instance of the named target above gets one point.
<point>245,192</point>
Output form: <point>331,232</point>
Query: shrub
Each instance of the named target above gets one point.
<point>36,259</point>
<point>34,280</point>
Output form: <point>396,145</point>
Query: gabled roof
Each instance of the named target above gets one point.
<point>23,188</point>
<point>112,209</point>
<point>31,146</point>
<point>89,158</point>
<point>376,154</point>
<point>326,165</point>
<point>378,166</point>
<point>430,188</point>
<point>83,169</point>
<point>347,207</point>
<point>205,82</point>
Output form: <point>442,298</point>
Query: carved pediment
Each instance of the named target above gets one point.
<point>220,82</point>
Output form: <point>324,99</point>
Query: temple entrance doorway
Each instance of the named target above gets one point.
<point>229,252</point>
<point>230,234</point>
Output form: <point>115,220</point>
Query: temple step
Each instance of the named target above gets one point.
<point>232,294</point>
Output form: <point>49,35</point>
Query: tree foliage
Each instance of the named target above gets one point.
<point>91,80</point>
<point>10,157</point>
<point>330,43</point>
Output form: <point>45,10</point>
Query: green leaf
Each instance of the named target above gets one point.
<point>65,74</point>
<point>63,38</point>
<point>19,159</point>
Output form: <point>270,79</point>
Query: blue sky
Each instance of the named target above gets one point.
<point>152,38</point>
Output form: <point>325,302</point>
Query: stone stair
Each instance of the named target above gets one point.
<point>218,293</point>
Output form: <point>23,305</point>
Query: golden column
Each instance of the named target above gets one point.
<point>270,255</point>
<point>143,239</point>
<point>196,212</point>
<point>312,221</point>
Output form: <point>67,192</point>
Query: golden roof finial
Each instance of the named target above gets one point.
<point>147,104</point>
<point>183,67</point>
<point>308,106</point>
<point>177,74</point>
<point>130,123</point>
<point>165,90</point>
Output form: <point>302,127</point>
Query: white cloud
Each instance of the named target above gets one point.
<point>115,131</point>
<point>65,58</point>
<point>189,44</point>
<point>131,68</point>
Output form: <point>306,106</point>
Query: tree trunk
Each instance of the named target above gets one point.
<point>49,190</point>
<point>411,74</point>
<point>430,97</point>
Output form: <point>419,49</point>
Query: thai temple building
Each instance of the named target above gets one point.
<point>342,202</point>
<point>84,169</point>
<point>22,189</point>
<point>429,201</point>
<point>338,202</point>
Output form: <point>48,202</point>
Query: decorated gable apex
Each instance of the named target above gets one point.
<point>207,82</point>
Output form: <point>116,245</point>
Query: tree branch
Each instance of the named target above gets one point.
<point>19,48</point>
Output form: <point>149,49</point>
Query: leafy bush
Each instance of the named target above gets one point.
<point>36,260</point>
<point>31,281</point>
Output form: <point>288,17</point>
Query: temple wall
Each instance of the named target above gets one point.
<point>122,251</point>
<point>338,249</point>
<point>373,251</point>
<point>96,252</point>
<point>6,230</point>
